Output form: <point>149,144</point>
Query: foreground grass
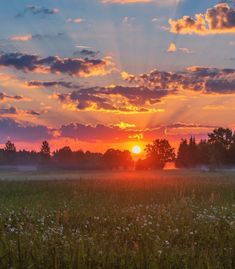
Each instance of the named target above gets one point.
<point>118,220</point>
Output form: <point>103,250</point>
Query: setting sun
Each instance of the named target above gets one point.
<point>136,149</point>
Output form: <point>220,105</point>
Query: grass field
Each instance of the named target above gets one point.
<point>125,220</point>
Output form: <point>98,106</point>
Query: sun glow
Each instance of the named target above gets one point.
<point>136,149</point>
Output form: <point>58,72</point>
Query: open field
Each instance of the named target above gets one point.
<point>126,220</point>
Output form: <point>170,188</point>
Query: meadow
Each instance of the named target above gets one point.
<point>117,220</point>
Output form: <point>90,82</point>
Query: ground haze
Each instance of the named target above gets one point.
<point>167,219</point>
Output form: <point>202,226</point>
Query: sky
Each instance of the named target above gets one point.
<point>95,74</point>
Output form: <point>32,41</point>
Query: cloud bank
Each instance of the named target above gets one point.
<point>81,67</point>
<point>217,20</point>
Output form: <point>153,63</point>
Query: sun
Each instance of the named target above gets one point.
<point>136,149</point>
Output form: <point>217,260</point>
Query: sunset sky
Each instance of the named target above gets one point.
<point>94,74</point>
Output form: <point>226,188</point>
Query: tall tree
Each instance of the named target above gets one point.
<point>10,153</point>
<point>45,151</point>
<point>221,140</point>
<point>182,156</point>
<point>10,147</point>
<point>159,153</point>
<point>193,153</point>
<point>203,152</point>
<point>221,136</point>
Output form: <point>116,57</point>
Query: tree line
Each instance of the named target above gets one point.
<point>216,151</point>
<point>66,158</point>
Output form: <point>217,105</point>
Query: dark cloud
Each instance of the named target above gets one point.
<point>189,125</point>
<point>111,133</point>
<point>14,111</point>
<point>201,79</point>
<point>47,36</point>
<point>23,132</point>
<point>33,113</point>
<point>10,110</point>
<point>55,64</point>
<point>91,133</point>
<point>51,84</point>
<point>116,98</point>
<point>220,86</point>
<point>86,53</point>
<point>37,10</point>
<point>4,96</point>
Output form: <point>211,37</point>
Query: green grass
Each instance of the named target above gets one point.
<point>125,220</point>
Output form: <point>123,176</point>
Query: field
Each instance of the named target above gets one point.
<point>125,220</point>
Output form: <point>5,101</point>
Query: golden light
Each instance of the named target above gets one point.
<point>136,149</point>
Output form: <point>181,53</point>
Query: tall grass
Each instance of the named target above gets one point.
<point>118,220</point>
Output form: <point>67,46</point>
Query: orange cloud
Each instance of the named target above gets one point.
<point>172,48</point>
<point>77,20</point>
<point>23,38</point>
<point>124,2</point>
<point>217,20</point>
<point>139,136</point>
<point>125,125</point>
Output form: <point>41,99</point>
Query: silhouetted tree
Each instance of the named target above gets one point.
<point>45,152</point>
<point>203,153</point>
<point>220,140</point>
<point>10,147</point>
<point>218,150</point>
<point>63,155</point>
<point>193,159</point>
<point>221,136</point>
<point>10,152</point>
<point>159,153</point>
<point>183,154</point>
<point>143,164</point>
<point>231,154</point>
<point>114,159</point>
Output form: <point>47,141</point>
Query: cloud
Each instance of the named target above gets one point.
<point>156,20</point>
<point>126,2</point>
<point>185,50</point>
<point>52,84</point>
<point>23,38</point>
<point>220,86</point>
<point>116,98</point>
<point>201,79</point>
<point>48,36</point>
<point>217,20</point>
<point>14,111</point>
<point>76,20</point>
<point>125,125</point>
<point>172,48</point>
<point>23,131</point>
<point>4,97</point>
<point>144,92</point>
<point>56,65</point>
<point>86,53</point>
<point>114,133</point>
<point>38,10</point>
<point>28,37</point>
<point>19,131</point>
<point>10,110</point>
